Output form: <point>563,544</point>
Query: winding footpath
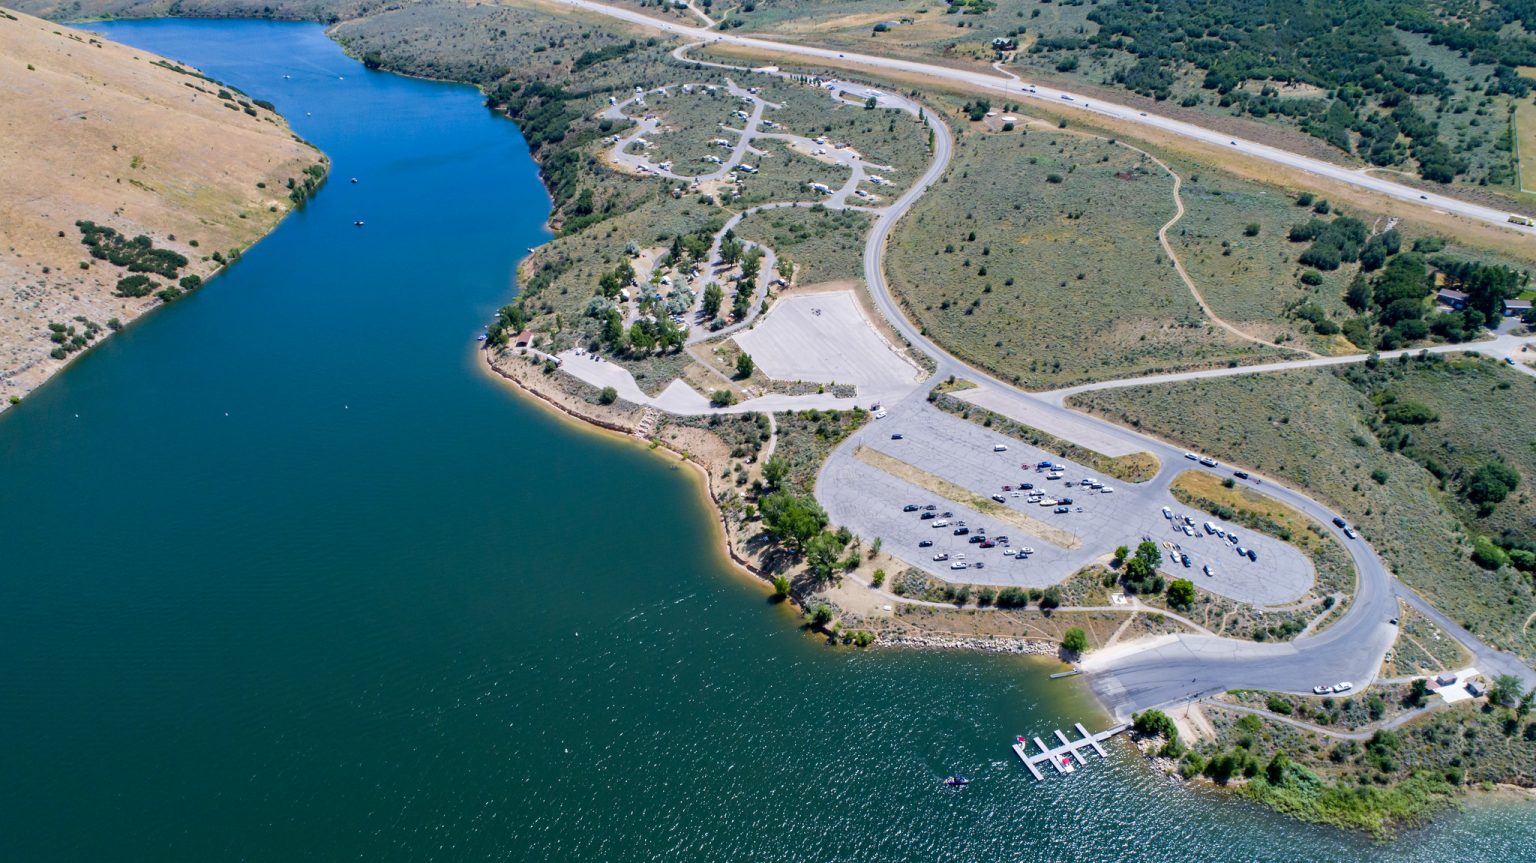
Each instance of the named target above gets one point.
<point>1187,667</point>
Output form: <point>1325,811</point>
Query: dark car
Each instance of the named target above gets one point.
<point>896,436</point>
<point>1063,509</point>
<point>925,543</point>
<point>946,514</point>
<point>962,531</point>
<point>1001,540</point>
<point>925,516</point>
<point>1253,555</point>
<point>1026,486</point>
<point>987,543</point>
<point>980,565</point>
<point>1240,474</point>
<point>1184,559</point>
<point>930,507</point>
<point>1338,522</point>
<point>911,507</point>
<point>1065,499</point>
<point>977,538</point>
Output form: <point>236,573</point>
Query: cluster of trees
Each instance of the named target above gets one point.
<point>1140,570</point>
<point>1334,242</point>
<point>799,524</point>
<point>1351,50</point>
<point>138,255</point>
<point>69,339</point>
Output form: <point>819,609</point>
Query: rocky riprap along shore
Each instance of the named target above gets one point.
<point>1020,646</point>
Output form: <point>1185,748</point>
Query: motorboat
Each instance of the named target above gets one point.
<point>957,781</point>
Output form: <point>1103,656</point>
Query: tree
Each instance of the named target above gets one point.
<point>1075,640</point>
<point>713,297</point>
<point>822,554</point>
<point>774,471</point>
<point>1181,593</point>
<point>780,587</point>
<point>1154,723</point>
<point>744,365</point>
<point>1418,690</point>
<point>794,519</point>
<point>1278,767</point>
<point>1491,483</point>
<point>1505,691</point>
<point>608,396</point>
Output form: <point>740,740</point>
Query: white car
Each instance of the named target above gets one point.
<point>959,564</point>
<point>1209,571</point>
<point>1343,687</point>
<point>1191,456</point>
<point>1000,448</point>
<point>1322,689</point>
<point>880,415</point>
<point>1167,513</point>
<point>1026,550</point>
<point>941,523</point>
<point>1106,490</point>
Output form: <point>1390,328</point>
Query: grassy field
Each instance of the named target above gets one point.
<point>825,245</point>
<point>1403,485</point>
<point>689,122</point>
<point>1049,272</point>
<point>1525,136</point>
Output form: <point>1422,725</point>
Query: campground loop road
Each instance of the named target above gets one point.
<point>1184,668</point>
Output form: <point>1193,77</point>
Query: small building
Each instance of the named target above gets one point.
<point>1445,679</point>
<point>1455,299</point>
<point>1516,308</point>
<point>523,339</point>
<point>1477,689</point>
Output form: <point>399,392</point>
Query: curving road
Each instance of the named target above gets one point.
<point>1187,667</point>
<point>1014,88</point>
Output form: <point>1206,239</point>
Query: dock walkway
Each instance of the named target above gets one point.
<point>1060,757</point>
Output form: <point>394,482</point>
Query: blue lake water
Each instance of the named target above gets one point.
<point>286,577</point>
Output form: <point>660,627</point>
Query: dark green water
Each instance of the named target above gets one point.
<point>284,577</point>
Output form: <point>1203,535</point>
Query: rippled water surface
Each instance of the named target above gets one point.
<point>284,577</point>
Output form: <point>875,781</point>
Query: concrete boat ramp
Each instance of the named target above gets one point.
<point>1061,757</point>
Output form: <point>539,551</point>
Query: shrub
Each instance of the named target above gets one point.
<point>608,396</point>
<point>1075,640</point>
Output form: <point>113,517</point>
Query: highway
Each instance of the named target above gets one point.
<point>1014,88</point>
<point>1190,666</point>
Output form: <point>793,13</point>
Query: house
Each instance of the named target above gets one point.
<point>1516,308</point>
<point>1455,299</point>
<point>523,339</point>
<point>1477,689</point>
<point>1445,679</point>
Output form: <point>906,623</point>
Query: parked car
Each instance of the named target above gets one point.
<point>1191,456</point>
<point>1066,500</point>
<point>1253,555</point>
<point>1026,550</point>
<point>959,564</point>
<point>1001,540</point>
<point>940,523</point>
<point>1242,552</point>
<point>1240,474</point>
<point>925,516</point>
<point>911,507</point>
<point>1184,559</point>
<point>1338,522</point>
<point>961,531</point>
<point>941,556</point>
<point>1063,509</point>
<point>977,538</point>
<point>1343,687</point>
<point>980,565</point>
<point>1027,486</point>
<point>1350,532</point>
<point>999,498</point>
<point>1322,689</point>
<point>1208,570</point>
<point>930,507</point>
<point>1167,513</point>
<point>987,543</point>
<point>1106,490</point>
<point>896,436</point>
<point>925,543</point>
<point>1000,447</point>
<point>1207,461</point>
<point>946,514</point>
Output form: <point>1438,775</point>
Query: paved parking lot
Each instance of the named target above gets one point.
<point>825,338</point>
<point>869,501</point>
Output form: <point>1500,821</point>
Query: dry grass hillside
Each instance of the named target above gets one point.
<point>92,131</point>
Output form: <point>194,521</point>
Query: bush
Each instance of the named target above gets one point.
<point>608,396</point>
<point>1181,593</point>
<point>722,398</point>
<point>1487,555</point>
<point>1075,640</point>
<point>135,286</point>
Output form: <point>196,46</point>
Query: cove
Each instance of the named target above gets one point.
<point>286,577</point>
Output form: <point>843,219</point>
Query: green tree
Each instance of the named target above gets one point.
<point>744,365</point>
<point>781,587</point>
<point>1181,593</point>
<point>822,554</point>
<point>794,519</point>
<point>1505,691</point>
<point>774,471</point>
<point>608,396</point>
<point>1075,640</point>
<point>1278,767</point>
<point>713,297</point>
<point>1491,483</point>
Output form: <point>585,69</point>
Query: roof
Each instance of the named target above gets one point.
<point>523,337</point>
<point>1449,294</point>
<point>1517,304</point>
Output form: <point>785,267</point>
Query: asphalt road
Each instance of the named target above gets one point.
<point>1014,88</point>
<point>1186,667</point>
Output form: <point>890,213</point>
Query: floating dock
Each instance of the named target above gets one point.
<point>1061,757</point>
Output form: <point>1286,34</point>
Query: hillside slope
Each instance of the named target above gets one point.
<point>185,171</point>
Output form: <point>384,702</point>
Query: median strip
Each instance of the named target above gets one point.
<point>965,497</point>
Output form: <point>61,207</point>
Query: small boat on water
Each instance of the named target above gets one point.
<point>957,781</point>
<point>358,223</point>
<point>354,179</point>
<point>1066,765</point>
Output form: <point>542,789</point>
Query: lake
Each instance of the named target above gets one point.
<point>287,577</point>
